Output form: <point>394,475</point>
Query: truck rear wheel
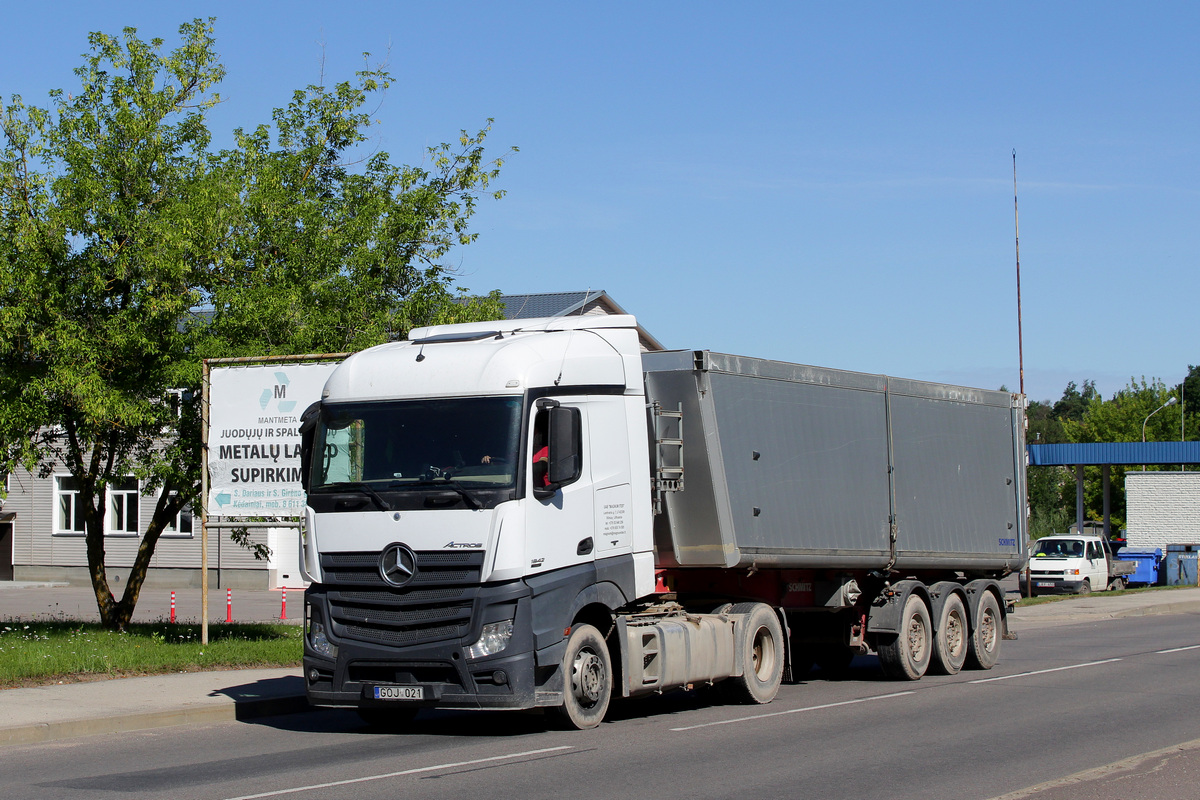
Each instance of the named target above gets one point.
<point>951,641</point>
<point>762,656</point>
<point>905,656</point>
<point>984,651</point>
<point>588,679</point>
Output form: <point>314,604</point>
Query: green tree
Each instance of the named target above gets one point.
<point>1121,419</point>
<point>118,225</point>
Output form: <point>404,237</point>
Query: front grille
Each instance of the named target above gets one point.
<point>434,568</point>
<point>436,605</point>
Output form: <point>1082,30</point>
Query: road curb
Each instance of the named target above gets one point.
<point>229,712</point>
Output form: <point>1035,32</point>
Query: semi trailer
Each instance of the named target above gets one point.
<point>536,513</point>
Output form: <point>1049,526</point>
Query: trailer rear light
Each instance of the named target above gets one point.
<point>492,640</point>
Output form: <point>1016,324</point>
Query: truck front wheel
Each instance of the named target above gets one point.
<point>588,678</point>
<point>905,656</point>
<point>762,655</point>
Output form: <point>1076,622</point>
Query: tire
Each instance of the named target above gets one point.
<point>906,655</point>
<point>587,679</point>
<point>761,645</point>
<point>984,651</point>
<point>951,639</point>
<point>1085,587</point>
<point>387,719</point>
<point>1117,585</point>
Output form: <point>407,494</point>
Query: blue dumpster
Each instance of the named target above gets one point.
<point>1147,561</point>
<point>1180,564</point>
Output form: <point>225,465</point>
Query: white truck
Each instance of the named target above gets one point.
<point>1073,563</point>
<point>534,513</point>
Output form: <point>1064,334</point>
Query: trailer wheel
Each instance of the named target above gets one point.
<point>905,656</point>
<point>984,651</point>
<point>587,671</point>
<point>762,656</point>
<point>387,719</point>
<point>951,642</point>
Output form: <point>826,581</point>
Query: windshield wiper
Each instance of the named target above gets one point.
<point>361,487</point>
<point>470,499</point>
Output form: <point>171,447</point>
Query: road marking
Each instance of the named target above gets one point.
<point>401,773</point>
<point>1178,649</point>
<point>1044,671</point>
<point>792,711</point>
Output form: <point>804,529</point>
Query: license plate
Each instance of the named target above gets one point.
<point>1044,584</point>
<point>399,693</point>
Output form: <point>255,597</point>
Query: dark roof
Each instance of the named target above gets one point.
<point>1041,455</point>
<point>549,304</point>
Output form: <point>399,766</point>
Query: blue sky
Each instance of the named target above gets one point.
<point>814,182</point>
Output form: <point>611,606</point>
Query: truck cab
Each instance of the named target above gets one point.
<point>1074,564</point>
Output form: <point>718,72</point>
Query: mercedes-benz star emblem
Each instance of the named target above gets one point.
<point>397,564</point>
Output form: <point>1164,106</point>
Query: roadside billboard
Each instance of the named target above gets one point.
<point>254,437</point>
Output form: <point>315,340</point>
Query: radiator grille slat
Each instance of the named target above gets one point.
<point>436,604</point>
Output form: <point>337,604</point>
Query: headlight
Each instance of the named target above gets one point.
<point>1072,572</point>
<point>320,642</point>
<point>493,640</point>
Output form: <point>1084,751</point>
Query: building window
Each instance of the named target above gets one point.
<point>123,506</point>
<point>70,506</point>
<point>181,525</point>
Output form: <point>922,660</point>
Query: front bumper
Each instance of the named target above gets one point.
<point>1047,585</point>
<point>441,668</point>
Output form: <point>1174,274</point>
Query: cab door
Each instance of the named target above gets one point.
<point>559,497</point>
<point>1097,566</point>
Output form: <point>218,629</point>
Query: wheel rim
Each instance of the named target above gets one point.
<point>763,654</point>
<point>987,630</point>
<point>587,677</point>
<point>956,638</point>
<point>917,640</point>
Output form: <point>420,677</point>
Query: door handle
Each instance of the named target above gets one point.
<point>584,547</point>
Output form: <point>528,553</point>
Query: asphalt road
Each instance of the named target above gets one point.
<point>1063,701</point>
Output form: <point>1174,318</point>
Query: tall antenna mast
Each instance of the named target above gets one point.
<point>1017,229</point>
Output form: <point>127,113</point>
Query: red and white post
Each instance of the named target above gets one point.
<point>283,605</point>
<point>172,606</point>
<point>229,605</point>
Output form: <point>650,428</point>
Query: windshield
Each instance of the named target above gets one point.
<point>1059,548</point>
<point>471,442</point>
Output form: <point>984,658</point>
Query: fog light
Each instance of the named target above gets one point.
<point>492,640</point>
<point>319,642</point>
<point>313,676</point>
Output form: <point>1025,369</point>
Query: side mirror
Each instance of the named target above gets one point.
<point>565,448</point>
<point>308,433</point>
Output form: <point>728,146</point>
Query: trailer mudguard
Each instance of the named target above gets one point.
<point>939,593</point>
<point>974,593</point>
<point>884,616</point>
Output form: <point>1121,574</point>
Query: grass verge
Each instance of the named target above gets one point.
<point>34,653</point>
<point>1058,598</point>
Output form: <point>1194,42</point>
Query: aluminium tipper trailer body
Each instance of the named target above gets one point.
<point>792,466</point>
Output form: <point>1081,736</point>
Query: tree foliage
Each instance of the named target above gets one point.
<point>129,251</point>
<point>1083,416</point>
